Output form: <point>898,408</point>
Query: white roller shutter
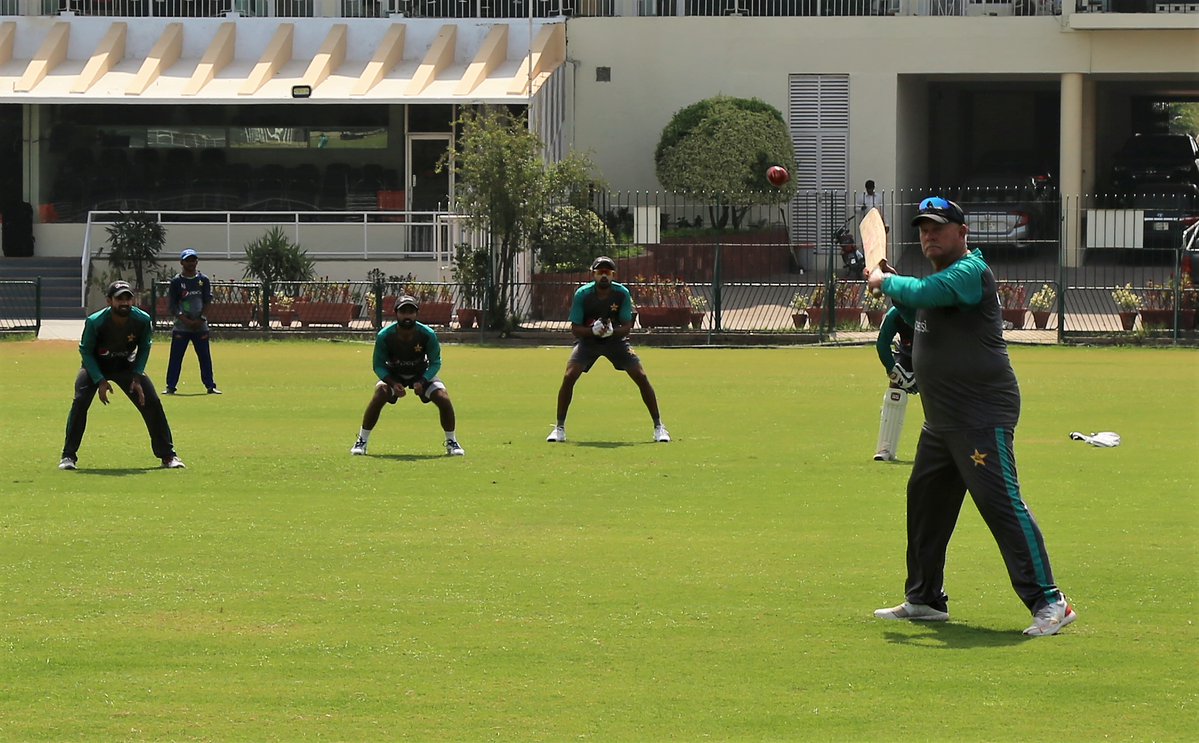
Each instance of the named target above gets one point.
<point>819,117</point>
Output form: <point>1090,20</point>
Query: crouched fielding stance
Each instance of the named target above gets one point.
<point>971,406</point>
<point>897,360</point>
<point>407,357</point>
<point>115,348</point>
<point>601,317</point>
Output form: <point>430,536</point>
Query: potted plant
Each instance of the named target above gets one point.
<point>1176,297</point>
<point>281,307</point>
<point>875,308</point>
<point>327,303</point>
<point>847,303</point>
<point>1042,303</point>
<point>799,308</point>
<point>816,308</point>
<point>232,304</point>
<point>274,258</point>
<point>436,302</point>
<point>1128,304</point>
<point>699,308</point>
<point>135,240</point>
<point>470,271</point>
<point>662,301</point>
<point>1011,304</point>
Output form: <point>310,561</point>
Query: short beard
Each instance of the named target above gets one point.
<point>408,324</point>
<point>122,310</point>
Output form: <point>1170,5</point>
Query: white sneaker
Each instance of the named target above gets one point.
<point>454,449</point>
<point>1051,618</point>
<point>173,463</point>
<point>359,448</point>
<point>66,464</point>
<point>558,435</point>
<point>882,455</point>
<point>661,435</point>
<point>915,612</point>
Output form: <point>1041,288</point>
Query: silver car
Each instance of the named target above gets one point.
<point>1007,210</point>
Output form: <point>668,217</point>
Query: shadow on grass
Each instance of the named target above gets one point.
<point>410,457</point>
<point>956,636</point>
<point>607,444</point>
<point>121,472</point>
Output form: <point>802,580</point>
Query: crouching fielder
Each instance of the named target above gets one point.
<point>407,357</point>
<point>894,346</point>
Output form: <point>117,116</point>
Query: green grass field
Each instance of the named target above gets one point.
<point>608,589</point>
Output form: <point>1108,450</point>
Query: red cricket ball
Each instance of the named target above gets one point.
<point>777,175</point>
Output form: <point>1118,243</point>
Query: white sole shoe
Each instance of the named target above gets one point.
<point>913,612</point>
<point>1049,621</point>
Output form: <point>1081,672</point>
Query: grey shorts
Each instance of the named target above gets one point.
<point>431,386</point>
<point>616,350</point>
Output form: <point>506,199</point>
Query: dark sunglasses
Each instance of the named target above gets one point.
<point>605,272</point>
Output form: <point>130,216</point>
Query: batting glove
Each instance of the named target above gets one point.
<point>902,378</point>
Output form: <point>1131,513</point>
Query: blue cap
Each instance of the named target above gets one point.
<point>189,253</point>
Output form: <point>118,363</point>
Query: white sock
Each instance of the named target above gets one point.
<point>450,436</point>
<point>364,434</point>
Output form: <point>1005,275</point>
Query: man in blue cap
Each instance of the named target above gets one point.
<point>971,406</point>
<point>189,296</point>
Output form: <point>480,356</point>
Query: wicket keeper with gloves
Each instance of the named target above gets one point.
<point>971,406</point>
<point>601,317</point>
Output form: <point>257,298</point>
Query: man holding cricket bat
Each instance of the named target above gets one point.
<point>971,406</point>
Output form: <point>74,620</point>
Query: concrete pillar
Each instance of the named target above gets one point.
<point>1070,177</point>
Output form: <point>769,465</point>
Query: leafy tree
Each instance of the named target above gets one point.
<point>135,240</point>
<point>274,257</point>
<point>568,238</point>
<point>504,189</point>
<point>720,148</point>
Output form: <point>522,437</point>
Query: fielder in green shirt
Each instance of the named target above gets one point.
<point>115,348</point>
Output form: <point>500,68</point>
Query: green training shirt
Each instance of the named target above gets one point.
<point>109,345</point>
<point>962,364</point>
<point>588,306</point>
<point>419,356</point>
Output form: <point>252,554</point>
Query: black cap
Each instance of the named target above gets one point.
<point>407,301</point>
<point>939,210</point>
<point>119,287</point>
<point>603,262</point>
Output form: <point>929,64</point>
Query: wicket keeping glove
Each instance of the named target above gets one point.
<point>600,329</point>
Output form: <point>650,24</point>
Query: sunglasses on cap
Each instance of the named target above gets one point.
<point>936,202</point>
<point>940,210</point>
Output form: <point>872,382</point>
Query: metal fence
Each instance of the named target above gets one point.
<point>21,306</point>
<point>1116,267</point>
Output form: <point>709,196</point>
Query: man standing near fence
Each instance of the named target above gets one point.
<point>971,407</point>
<point>189,295</point>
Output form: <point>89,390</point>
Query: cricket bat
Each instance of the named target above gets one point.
<point>874,240</point>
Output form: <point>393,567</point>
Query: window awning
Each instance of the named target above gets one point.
<point>234,60</point>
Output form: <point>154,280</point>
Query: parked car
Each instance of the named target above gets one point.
<point>1155,158</point>
<point>1009,210</point>
<point>1169,208</point>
